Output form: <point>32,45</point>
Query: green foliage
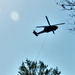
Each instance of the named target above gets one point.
<point>68,5</point>
<point>34,68</point>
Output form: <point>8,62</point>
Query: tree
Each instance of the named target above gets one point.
<point>69,5</point>
<point>33,68</point>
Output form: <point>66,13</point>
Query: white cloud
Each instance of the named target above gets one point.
<point>14,15</point>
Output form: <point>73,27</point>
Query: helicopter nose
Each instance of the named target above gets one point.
<point>56,27</point>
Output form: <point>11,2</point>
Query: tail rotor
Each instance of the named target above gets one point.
<point>35,33</point>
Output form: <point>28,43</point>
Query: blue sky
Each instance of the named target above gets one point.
<point>17,41</point>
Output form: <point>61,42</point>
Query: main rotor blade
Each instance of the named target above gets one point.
<point>59,24</point>
<point>47,20</point>
<point>41,26</point>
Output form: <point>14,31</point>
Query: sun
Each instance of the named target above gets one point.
<point>14,16</point>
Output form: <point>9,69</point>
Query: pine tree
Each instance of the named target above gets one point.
<point>33,68</point>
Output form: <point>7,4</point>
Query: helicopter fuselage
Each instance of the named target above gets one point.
<point>50,28</point>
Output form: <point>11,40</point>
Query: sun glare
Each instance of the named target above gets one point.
<point>14,16</point>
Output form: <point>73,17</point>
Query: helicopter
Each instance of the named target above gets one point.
<point>50,28</point>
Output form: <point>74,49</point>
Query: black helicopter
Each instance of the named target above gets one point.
<point>47,28</point>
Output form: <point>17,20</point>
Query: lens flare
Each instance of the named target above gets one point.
<point>14,16</point>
